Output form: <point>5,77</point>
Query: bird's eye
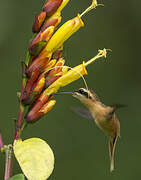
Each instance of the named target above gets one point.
<point>83,92</point>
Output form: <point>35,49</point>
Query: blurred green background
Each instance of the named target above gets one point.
<point>80,148</point>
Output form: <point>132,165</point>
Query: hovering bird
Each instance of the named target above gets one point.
<point>104,116</point>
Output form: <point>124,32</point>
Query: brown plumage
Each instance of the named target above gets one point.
<point>104,117</point>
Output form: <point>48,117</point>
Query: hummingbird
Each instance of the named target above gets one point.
<point>104,116</point>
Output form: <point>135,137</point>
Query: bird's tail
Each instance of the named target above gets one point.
<point>112,144</point>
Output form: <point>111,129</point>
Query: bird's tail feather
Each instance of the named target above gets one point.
<point>112,144</point>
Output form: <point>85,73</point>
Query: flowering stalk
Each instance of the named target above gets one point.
<point>35,47</point>
<point>22,107</point>
<point>39,80</point>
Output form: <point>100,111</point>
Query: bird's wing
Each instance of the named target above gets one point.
<point>83,112</point>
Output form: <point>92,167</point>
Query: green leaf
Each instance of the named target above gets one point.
<point>35,158</point>
<point>17,177</point>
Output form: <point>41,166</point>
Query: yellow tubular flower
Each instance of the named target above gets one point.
<point>66,79</point>
<point>78,23</point>
<point>63,4</point>
<point>72,75</point>
<point>63,33</point>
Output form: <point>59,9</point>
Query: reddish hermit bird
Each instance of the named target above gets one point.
<point>104,116</point>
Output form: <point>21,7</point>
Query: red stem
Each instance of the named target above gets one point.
<point>21,109</point>
<point>1,141</point>
<point>20,114</point>
<point>8,162</point>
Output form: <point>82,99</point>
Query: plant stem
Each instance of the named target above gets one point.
<point>20,114</point>
<point>21,110</point>
<point>1,141</point>
<point>8,161</point>
<point>22,107</point>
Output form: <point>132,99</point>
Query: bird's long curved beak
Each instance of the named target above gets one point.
<point>67,93</point>
<point>74,94</point>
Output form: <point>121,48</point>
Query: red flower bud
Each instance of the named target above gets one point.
<point>38,22</point>
<point>49,66</point>
<point>40,41</point>
<point>52,22</point>
<point>30,99</point>
<point>51,80</point>
<point>51,6</point>
<point>57,68</point>
<point>38,85</point>
<point>39,63</point>
<point>29,87</point>
<point>35,49</point>
<point>55,73</point>
<point>39,110</point>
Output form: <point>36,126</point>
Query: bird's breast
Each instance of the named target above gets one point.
<point>105,125</point>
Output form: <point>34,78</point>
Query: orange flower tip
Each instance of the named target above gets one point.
<point>51,6</point>
<point>35,49</point>
<point>80,20</point>
<point>84,69</point>
<point>39,20</point>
